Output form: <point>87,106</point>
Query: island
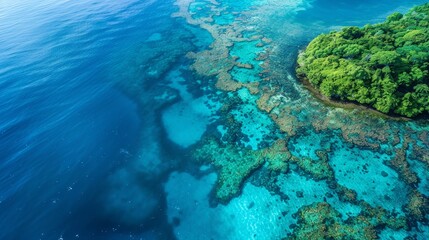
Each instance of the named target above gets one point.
<point>383,66</point>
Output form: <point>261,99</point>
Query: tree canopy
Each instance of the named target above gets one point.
<point>385,65</point>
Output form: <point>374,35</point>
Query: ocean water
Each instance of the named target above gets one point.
<point>183,119</point>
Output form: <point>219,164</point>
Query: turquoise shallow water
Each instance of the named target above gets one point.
<point>183,120</point>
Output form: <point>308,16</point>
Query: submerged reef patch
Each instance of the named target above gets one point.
<point>322,221</point>
<point>126,200</point>
<point>335,173</point>
<point>187,120</point>
<point>235,164</point>
<point>256,213</point>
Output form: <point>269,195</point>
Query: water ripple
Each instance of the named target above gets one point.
<point>61,121</point>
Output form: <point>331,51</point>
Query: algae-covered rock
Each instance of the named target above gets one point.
<point>418,205</point>
<point>235,164</point>
<point>318,169</point>
<point>278,156</point>
<point>322,221</point>
<point>346,194</point>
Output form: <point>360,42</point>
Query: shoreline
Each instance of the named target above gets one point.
<point>342,104</point>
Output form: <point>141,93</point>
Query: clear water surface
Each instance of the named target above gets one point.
<point>102,107</point>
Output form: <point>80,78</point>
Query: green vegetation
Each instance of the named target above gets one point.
<point>385,66</point>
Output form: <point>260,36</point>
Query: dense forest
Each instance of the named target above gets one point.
<point>384,66</point>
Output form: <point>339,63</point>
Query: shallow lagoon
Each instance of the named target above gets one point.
<point>201,129</point>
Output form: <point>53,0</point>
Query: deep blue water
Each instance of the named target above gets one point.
<point>64,125</point>
<point>86,151</point>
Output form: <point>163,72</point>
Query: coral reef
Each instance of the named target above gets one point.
<point>318,169</point>
<point>278,156</point>
<point>230,51</point>
<point>346,194</point>
<point>346,153</point>
<point>143,64</point>
<point>399,164</point>
<point>285,120</point>
<point>235,164</point>
<point>355,129</point>
<point>322,221</point>
<point>418,206</point>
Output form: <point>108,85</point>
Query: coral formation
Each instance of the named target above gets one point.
<point>235,164</point>
<point>400,164</point>
<point>318,169</point>
<point>278,156</point>
<point>418,206</point>
<point>322,221</point>
<point>228,53</point>
<point>306,138</point>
